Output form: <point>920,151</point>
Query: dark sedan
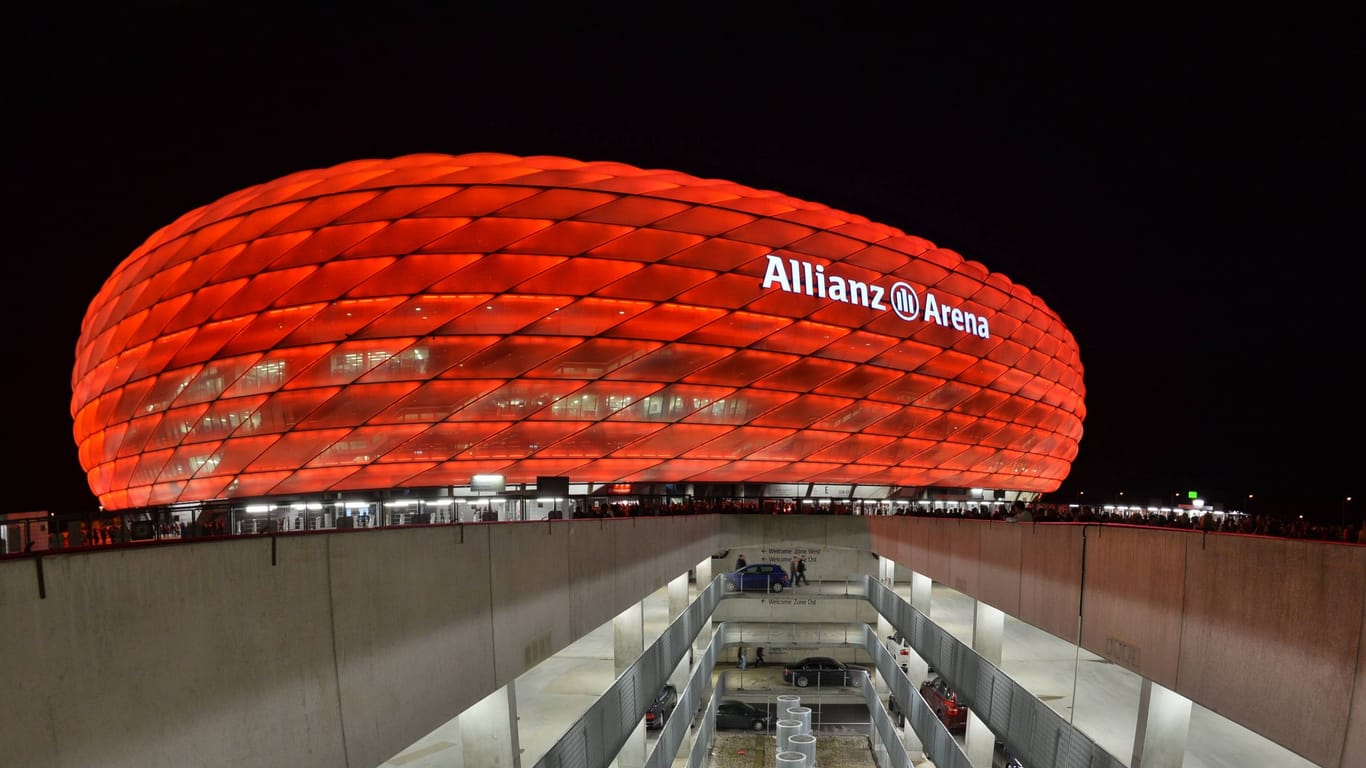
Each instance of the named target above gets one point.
<point>738,714</point>
<point>664,705</point>
<point>822,670</point>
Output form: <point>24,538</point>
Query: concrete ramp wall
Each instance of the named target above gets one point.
<point>1266,632</point>
<point>337,649</point>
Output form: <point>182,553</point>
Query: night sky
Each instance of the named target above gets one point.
<point>1178,189</point>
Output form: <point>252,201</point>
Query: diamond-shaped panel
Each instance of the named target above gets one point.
<point>414,321</point>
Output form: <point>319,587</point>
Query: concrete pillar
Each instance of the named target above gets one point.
<point>884,631</point>
<point>488,731</point>
<point>704,574</point>
<point>887,571</point>
<point>911,740</point>
<point>703,639</point>
<point>633,752</point>
<point>1164,721</point>
<point>678,596</point>
<point>920,592</point>
<point>979,743</point>
<point>628,635</point>
<point>988,629</point>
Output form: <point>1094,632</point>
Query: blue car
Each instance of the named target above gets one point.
<point>759,577</point>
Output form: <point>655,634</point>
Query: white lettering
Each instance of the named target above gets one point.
<point>804,277</point>
<point>932,309</point>
<point>838,290</point>
<point>775,274</point>
<point>858,293</point>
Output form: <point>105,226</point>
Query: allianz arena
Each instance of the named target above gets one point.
<point>416,325</point>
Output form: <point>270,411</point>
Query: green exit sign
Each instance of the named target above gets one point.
<point>1192,495</point>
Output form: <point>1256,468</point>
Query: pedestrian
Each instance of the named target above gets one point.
<point>801,572</point>
<point>792,571</point>
<point>742,660</point>
<point>740,562</point>
<point>758,657</point>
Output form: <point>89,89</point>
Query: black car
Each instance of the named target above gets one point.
<point>663,707</point>
<point>822,670</point>
<point>738,714</point>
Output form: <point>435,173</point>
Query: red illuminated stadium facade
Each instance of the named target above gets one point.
<point>401,326</point>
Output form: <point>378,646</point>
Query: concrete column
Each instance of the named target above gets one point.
<point>887,571</point>
<point>633,752</point>
<point>704,574</point>
<point>884,631</point>
<point>703,639</point>
<point>628,635</point>
<point>988,629</point>
<point>979,743</point>
<point>678,596</point>
<point>1164,721</point>
<point>914,749</point>
<point>920,592</point>
<point>488,731</point>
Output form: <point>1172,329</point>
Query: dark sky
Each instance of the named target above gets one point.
<point>1181,190</point>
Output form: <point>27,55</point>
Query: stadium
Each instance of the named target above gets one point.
<point>486,336</point>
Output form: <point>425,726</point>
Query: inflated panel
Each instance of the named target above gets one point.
<point>414,321</point>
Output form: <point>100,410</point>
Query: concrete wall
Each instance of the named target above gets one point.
<point>346,650</point>
<point>353,645</point>
<point>1266,632</point>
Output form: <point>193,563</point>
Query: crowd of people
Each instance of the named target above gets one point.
<point>113,531</point>
<point>1212,522</point>
<point>1038,512</point>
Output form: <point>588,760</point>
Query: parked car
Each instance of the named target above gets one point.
<point>822,670</point>
<point>894,709</point>
<point>758,577</point>
<point>738,714</point>
<point>659,712</point>
<point>943,700</point>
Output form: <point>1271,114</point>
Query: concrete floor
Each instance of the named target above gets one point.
<point>554,694</point>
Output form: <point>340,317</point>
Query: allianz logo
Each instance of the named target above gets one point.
<point>804,277</point>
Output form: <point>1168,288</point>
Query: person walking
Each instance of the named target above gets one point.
<point>740,562</point>
<point>792,571</point>
<point>801,572</point>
